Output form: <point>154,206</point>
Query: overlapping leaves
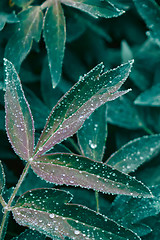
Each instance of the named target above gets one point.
<point>89,93</point>
<point>30,24</point>
<point>50,212</point>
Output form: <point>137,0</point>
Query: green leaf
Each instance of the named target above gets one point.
<point>49,212</point>
<point>95,8</point>
<point>128,211</point>
<point>7,18</point>
<point>28,29</point>
<point>92,135</point>
<point>23,3</point>
<point>19,120</point>
<point>55,37</point>
<point>2,178</point>
<point>75,170</point>
<point>150,97</point>
<point>123,113</point>
<point>30,235</point>
<point>134,153</point>
<point>89,93</point>
<point>150,12</point>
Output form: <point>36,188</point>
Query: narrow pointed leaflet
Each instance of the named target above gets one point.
<point>95,8</point>
<point>93,133</point>
<point>28,29</point>
<point>50,212</point>
<point>19,121</point>
<point>89,93</point>
<point>129,157</point>
<point>55,37</point>
<point>75,170</point>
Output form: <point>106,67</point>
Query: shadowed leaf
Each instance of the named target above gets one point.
<point>95,8</point>
<point>75,170</point>
<point>150,12</point>
<point>123,113</point>
<point>49,211</point>
<point>19,121</point>
<point>129,212</point>
<point>28,28</point>
<point>134,153</point>
<point>55,36</point>
<point>7,18</point>
<point>89,93</point>
<point>30,235</point>
<point>92,135</point>
<point>150,97</point>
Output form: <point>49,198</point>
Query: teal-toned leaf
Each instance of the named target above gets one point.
<point>150,12</point>
<point>75,170</point>
<point>126,52</point>
<point>2,120</point>
<point>28,29</point>
<point>89,93</point>
<point>92,135</point>
<point>128,211</point>
<point>123,113</point>
<point>22,3</point>
<point>30,235</point>
<point>7,18</point>
<point>150,97</point>
<point>2,178</point>
<point>55,37</point>
<point>50,212</point>
<point>95,8</point>
<point>134,153</point>
<point>39,110</point>
<point>19,120</point>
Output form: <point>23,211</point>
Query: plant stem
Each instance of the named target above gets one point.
<point>147,130</point>
<point>7,207</point>
<point>2,201</point>
<point>3,224</point>
<point>97,201</point>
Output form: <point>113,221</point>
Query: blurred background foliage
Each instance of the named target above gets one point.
<point>90,41</point>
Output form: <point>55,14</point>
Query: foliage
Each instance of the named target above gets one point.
<point>82,160</point>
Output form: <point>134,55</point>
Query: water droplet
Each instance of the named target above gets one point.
<point>76,232</point>
<point>51,215</point>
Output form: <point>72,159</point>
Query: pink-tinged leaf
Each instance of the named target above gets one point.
<point>75,170</point>
<point>89,93</point>
<point>50,212</point>
<point>19,120</point>
<point>55,37</point>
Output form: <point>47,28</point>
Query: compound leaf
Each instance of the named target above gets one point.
<point>95,8</point>
<point>150,12</point>
<point>134,153</point>
<point>55,37</point>
<point>28,28</point>
<point>151,97</point>
<point>19,120</point>
<point>92,135</point>
<point>50,212</point>
<point>89,93</point>
<point>75,170</point>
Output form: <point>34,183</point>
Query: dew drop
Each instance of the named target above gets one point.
<point>76,232</point>
<point>51,215</point>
